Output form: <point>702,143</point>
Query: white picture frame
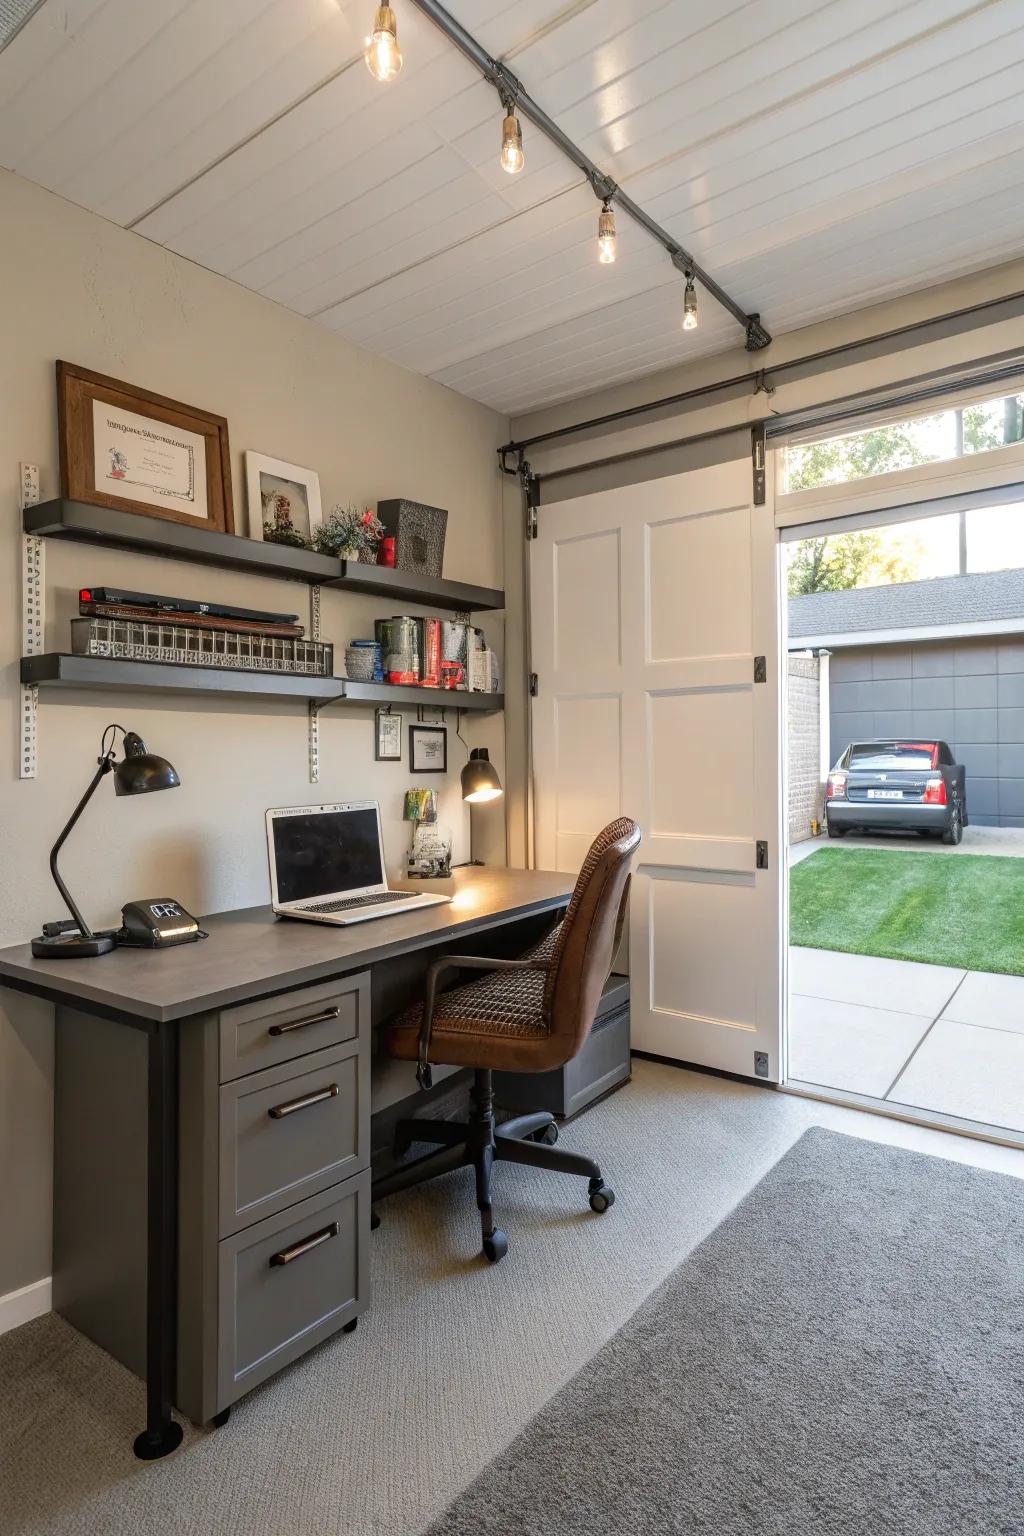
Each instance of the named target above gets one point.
<point>299,488</point>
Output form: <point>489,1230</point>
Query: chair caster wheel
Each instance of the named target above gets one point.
<point>547,1135</point>
<point>601,1197</point>
<point>220,1419</point>
<point>495,1246</point>
<point>350,1327</point>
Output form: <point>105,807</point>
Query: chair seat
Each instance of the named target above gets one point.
<point>502,1007</point>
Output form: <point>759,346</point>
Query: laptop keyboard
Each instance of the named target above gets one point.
<point>358,901</point>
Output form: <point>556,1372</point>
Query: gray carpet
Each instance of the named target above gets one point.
<point>454,1357</point>
<point>844,1354</point>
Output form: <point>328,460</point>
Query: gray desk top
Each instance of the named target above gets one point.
<point>250,953</point>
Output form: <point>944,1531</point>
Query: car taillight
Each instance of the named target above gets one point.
<point>935,792</point>
<point>836,788</point>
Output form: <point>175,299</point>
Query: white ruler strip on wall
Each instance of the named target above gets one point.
<point>33,616</point>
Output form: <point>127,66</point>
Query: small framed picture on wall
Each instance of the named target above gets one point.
<point>388,739</point>
<point>428,749</point>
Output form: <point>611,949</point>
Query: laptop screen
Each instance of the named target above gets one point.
<point>319,853</point>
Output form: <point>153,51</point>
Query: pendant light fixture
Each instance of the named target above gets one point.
<point>382,53</point>
<point>512,158</point>
<point>690,319</point>
<point>606,234</point>
<point>384,60</point>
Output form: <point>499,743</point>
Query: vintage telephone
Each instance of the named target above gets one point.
<point>156,924</point>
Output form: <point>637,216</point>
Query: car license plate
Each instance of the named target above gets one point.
<point>885,794</point>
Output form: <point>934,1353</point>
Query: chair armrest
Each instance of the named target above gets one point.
<point>457,962</point>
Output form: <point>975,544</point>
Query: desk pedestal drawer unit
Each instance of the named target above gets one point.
<point>273,1181</point>
<point>602,1064</point>
<point>212,1129</point>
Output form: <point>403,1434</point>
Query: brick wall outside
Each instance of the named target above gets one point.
<point>803,746</point>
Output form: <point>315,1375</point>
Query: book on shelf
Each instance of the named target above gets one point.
<point>189,620</point>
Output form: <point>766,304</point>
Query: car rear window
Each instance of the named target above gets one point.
<point>895,754</point>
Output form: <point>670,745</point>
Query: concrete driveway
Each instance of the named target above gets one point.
<point>1008,842</point>
<point>926,1036</point>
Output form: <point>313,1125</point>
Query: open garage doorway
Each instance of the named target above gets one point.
<point>905,781</point>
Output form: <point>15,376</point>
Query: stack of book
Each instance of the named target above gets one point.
<point>140,626</point>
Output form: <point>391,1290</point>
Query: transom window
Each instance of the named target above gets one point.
<point>944,435</point>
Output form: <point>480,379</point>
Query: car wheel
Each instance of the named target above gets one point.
<point>955,831</point>
<point>836,831</point>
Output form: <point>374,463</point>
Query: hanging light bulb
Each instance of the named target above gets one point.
<point>512,158</point>
<point>690,304</point>
<point>606,235</point>
<point>382,53</point>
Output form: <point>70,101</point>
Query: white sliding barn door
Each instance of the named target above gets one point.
<point>649,607</point>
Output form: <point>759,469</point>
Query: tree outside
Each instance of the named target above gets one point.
<point>879,557</point>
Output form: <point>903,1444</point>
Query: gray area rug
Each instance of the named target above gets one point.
<point>844,1354</point>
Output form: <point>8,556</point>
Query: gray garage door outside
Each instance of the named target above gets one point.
<point>970,694</point>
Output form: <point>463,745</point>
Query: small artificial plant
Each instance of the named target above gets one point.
<point>349,534</point>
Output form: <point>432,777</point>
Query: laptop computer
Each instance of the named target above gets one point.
<point>327,865</point>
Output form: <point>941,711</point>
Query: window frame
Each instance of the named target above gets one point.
<point>881,493</point>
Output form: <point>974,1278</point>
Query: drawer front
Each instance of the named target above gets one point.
<point>276,1029</point>
<point>289,1282</point>
<point>292,1131</point>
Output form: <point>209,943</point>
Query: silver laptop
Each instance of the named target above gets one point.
<point>327,865</point>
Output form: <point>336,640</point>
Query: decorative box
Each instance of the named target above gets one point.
<point>419,533</point>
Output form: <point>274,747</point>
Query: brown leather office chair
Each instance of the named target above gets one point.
<point>528,1015</point>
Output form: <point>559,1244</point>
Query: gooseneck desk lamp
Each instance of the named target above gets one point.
<point>137,773</point>
<point>480,782</point>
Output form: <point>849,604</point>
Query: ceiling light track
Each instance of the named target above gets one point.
<point>517,101</point>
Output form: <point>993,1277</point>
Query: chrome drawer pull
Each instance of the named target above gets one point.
<point>318,1018</point>
<point>280,1110</point>
<point>307,1245</point>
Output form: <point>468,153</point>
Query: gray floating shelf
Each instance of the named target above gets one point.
<point>82,523</point>
<point>60,670</point>
<point>447,698</point>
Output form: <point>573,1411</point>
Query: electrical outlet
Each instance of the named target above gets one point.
<point>29,485</point>
<point>760,1063</point>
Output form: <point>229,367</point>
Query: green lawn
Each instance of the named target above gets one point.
<point>963,909</point>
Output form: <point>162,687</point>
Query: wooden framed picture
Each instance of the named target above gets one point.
<point>284,500</point>
<point>428,749</point>
<point>125,447</point>
<point>388,736</point>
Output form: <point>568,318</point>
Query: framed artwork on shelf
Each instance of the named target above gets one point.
<point>283,500</point>
<point>388,736</point>
<point>126,447</point>
<point>428,749</point>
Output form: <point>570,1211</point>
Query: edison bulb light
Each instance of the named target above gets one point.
<point>606,236</point>
<point>690,306</point>
<point>512,157</point>
<point>382,53</point>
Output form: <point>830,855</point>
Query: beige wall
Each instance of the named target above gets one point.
<point>75,287</point>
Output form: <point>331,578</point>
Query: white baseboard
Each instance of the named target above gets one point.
<point>22,1306</point>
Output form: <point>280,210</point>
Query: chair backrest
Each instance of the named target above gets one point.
<point>589,935</point>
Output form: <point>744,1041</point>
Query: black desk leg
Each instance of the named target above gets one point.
<point>162,1434</point>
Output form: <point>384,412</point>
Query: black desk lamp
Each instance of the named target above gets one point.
<point>480,782</point>
<point>137,773</point>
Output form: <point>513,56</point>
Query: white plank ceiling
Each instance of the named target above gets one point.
<point>815,155</point>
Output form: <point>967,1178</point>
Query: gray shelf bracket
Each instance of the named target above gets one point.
<point>315,705</point>
<point>33,620</point>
